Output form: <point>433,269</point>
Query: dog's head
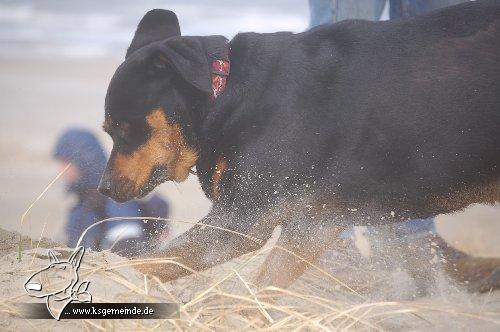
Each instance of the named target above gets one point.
<point>150,105</point>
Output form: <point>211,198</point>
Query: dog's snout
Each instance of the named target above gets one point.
<point>106,183</point>
<point>120,190</point>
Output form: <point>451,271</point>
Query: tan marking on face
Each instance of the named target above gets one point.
<point>220,168</point>
<point>485,194</point>
<point>166,147</point>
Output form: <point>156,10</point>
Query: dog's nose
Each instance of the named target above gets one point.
<point>120,190</point>
<point>104,188</point>
<point>34,286</point>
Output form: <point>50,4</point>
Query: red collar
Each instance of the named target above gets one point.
<point>220,73</point>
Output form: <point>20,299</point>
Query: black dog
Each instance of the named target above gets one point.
<point>354,123</point>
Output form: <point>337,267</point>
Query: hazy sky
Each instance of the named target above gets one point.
<point>98,27</point>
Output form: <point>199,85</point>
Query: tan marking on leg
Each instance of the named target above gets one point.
<point>466,268</point>
<point>165,147</point>
<point>220,168</point>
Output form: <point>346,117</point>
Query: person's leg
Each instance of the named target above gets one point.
<point>378,8</point>
<point>320,12</point>
<point>360,9</point>
<point>405,8</point>
<point>329,11</point>
<point>395,9</point>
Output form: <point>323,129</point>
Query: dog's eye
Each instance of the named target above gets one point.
<point>121,132</point>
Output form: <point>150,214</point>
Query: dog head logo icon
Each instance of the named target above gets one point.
<point>59,283</point>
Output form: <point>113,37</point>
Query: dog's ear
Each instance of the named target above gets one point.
<point>76,257</point>
<point>52,257</point>
<point>156,25</point>
<point>188,56</point>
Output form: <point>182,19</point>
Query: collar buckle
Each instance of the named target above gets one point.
<point>220,73</point>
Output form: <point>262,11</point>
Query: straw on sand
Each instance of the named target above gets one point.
<point>224,299</point>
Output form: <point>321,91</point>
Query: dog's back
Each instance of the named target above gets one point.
<point>412,107</point>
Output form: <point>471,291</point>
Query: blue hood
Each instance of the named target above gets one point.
<point>81,148</point>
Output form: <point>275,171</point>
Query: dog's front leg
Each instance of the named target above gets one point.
<point>202,247</point>
<point>301,243</point>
